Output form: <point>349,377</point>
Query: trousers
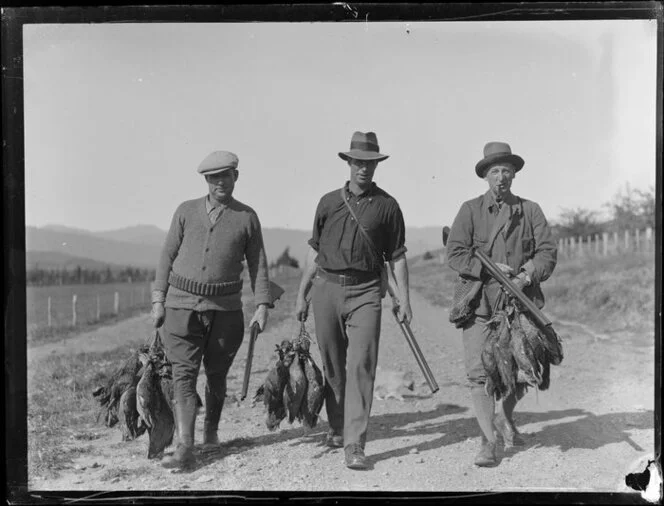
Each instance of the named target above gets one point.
<point>347,319</point>
<point>475,333</point>
<point>212,337</point>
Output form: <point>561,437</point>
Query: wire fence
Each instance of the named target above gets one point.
<point>78,305</point>
<point>606,244</point>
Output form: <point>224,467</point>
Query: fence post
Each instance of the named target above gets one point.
<point>98,308</point>
<point>73,309</point>
<point>561,250</point>
<point>615,242</point>
<point>116,303</point>
<point>50,320</point>
<point>627,248</point>
<point>637,240</point>
<point>648,238</point>
<point>572,247</point>
<point>605,243</point>
<point>597,244</point>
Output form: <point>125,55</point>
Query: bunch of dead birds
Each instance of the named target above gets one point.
<point>139,397</point>
<point>518,354</point>
<point>294,386</point>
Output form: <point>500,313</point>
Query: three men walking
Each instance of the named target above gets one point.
<point>357,247</point>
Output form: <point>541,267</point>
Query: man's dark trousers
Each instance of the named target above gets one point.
<point>212,337</point>
<point>348,331</point>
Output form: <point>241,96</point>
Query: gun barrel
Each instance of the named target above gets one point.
<point>507,283</point>
<point>255,329</point>
<point>419,356</point>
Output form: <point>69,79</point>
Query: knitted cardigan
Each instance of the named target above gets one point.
<point>206,252</point>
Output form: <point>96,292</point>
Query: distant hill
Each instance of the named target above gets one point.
<point>90,246</point>
<point>138,234</point>
<point>140,245</point>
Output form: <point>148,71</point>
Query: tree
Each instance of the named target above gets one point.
<point>578,222</point>
<point>632,208</point>
<point>286,259</point>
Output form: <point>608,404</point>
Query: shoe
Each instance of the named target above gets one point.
<point>355,458</point>
<point>487,454</point>
<point>507,431</point>
<point>183,458</point>
<point>333,440</point>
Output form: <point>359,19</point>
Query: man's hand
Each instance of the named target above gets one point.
<point>521,280</point>
<point>506,269</point>
<point>158,314</point>
<point>301,309</point>
<point>405,313</point>
<point>260,317</point>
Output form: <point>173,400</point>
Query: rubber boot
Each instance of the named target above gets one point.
<point>214,403</point>
<point>183,458</point>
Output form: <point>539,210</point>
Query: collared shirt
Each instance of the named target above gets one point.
<point>337,239</point>
<point>213,212</point>
<point>524,243</point>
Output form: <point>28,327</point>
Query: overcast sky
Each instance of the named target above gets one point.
<point>118,116</point>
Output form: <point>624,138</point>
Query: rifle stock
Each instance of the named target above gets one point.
<point>410,338</point>
<point>512,289</point>
<point>255,330</point>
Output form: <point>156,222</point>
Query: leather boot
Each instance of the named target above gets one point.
<point>183,458</point>
<point>214,403</point>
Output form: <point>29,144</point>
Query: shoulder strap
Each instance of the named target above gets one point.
<point>500,222</point>
<point>364,233</point>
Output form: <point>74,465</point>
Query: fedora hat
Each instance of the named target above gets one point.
<point>218,161</point>
<point>363,146</point>
<point>498,152</point>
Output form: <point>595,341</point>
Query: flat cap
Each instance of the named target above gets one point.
<point>218,161</point>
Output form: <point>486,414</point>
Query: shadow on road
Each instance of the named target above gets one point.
<point>586,431</point>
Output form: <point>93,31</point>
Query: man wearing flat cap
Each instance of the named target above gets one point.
<point>346,269</point>
<point>197,296</point>
<point>514,233</point>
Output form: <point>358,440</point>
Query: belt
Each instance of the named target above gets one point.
<point>352,278</point>
<point>200,288</point>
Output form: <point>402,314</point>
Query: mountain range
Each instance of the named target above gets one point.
<point>58,246</point>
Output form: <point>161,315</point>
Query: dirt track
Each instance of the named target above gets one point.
<point>593,426</point>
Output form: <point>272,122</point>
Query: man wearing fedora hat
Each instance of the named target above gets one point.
<point>347,256</point>
<point>197,296</point>
<point>514,232</point>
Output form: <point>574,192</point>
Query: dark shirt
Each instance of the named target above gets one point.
<point>525,243</point>
<point>338,241</point>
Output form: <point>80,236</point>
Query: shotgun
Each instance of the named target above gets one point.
<point>410,337</point>
<point>541,321</point>
<point>539,317</point>
<point>275,292</point>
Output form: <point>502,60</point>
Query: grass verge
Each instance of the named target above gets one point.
<point>610,294</point>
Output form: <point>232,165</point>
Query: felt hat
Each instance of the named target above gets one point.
<point>363,146</point>
<point>218,161</point>
<point>498,152</point>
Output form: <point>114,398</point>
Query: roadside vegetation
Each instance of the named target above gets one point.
<point>610,294</point>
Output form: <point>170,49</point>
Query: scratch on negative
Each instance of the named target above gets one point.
<point>348,7</point>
